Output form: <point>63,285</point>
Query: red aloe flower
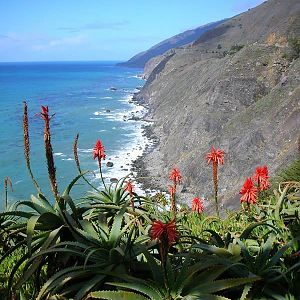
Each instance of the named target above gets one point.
<point>249,192</point>
<point>164,233</point>
<point>45,112</point>
<point>215,156</point>
<point>129,187</point>
<point>175,175</point>
<point>99,150</point>
<point>197,205</point>
<point>261,178</point>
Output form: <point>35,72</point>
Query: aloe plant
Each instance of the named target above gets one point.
<point>101,246</point>
<point>191,279</point>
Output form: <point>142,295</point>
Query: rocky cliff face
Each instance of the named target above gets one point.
<point>237,88</point>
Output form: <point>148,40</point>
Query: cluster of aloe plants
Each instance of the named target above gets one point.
<point>115,244</point>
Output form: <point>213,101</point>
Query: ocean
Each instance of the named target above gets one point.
<point>89,98</point>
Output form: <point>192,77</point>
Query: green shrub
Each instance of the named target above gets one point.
<point>235,48</point>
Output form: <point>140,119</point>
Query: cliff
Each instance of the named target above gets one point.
<point>237,88</point>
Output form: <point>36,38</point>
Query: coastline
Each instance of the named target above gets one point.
<point>144,176</point>
<point>123,163</point>
<point>149,167</point>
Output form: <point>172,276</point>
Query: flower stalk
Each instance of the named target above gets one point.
<point>76,158</point>
<point>27,146</point>
<point>215,180</point>
<point>176,177</point>
<point>216,157</point>
<point>49,152</point>
<point>7,182</point>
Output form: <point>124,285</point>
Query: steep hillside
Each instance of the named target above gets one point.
<point>243,97</point>
<point>189,36</point>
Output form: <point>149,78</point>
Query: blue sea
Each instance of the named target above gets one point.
<point>89,98</point>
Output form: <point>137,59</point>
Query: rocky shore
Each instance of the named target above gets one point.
<point>148,166</point>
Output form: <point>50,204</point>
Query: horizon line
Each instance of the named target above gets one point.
<point>60,61</point>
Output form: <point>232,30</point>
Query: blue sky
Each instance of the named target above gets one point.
<point>41,30</point>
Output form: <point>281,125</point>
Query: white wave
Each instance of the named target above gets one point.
<point>67,158</point>
<point>106,98</point>
<point>127,98</point>
<point>91,97</point>
<point>58,154</point>
<point>131,91</point>
<point>85,150</point>
<point>95,118</point>
<point>135,76</point>
<point>122,159</point>
<point>119,116</point>
<point>97,113</point>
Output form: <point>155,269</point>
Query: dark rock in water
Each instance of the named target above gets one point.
<point>108,110</point>
<point>113,180</point>
<point>109,164</point>
<point>125,169</point>
<point>112,88</point>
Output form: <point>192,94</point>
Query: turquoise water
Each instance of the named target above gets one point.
<point>80,95</point>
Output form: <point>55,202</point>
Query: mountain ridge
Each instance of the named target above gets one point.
<point>139,60</point>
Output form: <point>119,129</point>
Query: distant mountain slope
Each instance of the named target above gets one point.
<point>278,17</point>
<point>189,36</point>
<point>237,88</point>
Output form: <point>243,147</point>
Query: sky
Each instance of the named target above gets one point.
<point>60,30</point>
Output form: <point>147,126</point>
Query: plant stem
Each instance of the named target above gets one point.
<point>7,182</point>
<point>50,160</point>
<point>132,203</point>
<point>75,152</point>
<point>6,202</point>
<point>173,202</point>
<point>215,180</point>
<point>100,168</point>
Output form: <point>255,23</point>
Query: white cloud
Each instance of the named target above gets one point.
<point>59,42</point>
<point>98,25</point>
